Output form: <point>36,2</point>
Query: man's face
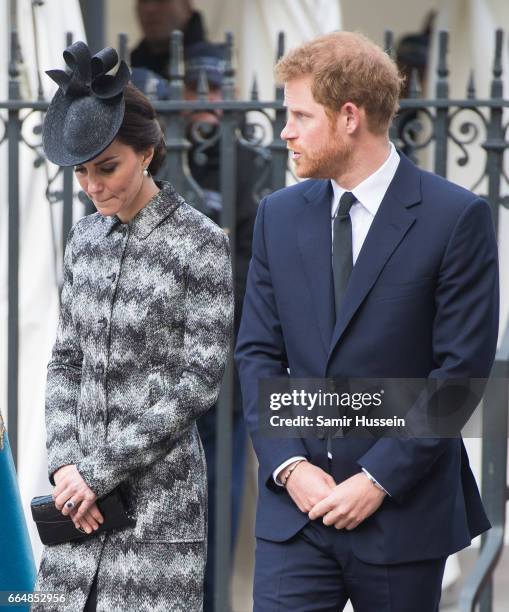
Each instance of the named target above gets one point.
<point>158,18</point>
<point>319,150</point>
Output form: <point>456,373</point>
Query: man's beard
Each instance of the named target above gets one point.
<point>327,162</point>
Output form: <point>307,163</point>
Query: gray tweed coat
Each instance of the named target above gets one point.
<point>144,333</point>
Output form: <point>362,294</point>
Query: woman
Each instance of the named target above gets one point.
<point>144,333</point>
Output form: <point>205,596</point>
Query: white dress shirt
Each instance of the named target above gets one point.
<point>369,193</point>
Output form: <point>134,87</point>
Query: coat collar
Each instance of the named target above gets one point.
<point>161,206</point>
<point>405,186</point>
<point>370,192</point>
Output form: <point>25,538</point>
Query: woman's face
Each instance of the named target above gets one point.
<point>114,180</point>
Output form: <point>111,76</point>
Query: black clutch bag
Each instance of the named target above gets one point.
<point>55,528</point>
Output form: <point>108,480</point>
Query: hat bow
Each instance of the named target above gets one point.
<point>87,75</point>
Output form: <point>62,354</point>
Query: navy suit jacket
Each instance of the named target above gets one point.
<point>422,301</point>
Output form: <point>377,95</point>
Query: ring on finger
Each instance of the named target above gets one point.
<point>69,504</point>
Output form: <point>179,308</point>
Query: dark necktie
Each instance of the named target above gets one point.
<point>342,265</point>
<point>342,260</point>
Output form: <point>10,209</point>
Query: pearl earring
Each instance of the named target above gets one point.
<point>145,172</point>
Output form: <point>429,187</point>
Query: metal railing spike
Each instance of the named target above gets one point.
<point>471,86</point>
<point>389,43</point>
<point>254,89</point>
<point>414,90</point>
<point>202,88</point>
<point>176,85</point>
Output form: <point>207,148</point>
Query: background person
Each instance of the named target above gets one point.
<point>158,19</point>
<point>146,314</point>
<point>210,58</point>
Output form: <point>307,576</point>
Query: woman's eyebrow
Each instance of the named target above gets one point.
<point>106,159</point>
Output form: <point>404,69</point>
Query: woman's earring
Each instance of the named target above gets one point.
<point>145,172</point>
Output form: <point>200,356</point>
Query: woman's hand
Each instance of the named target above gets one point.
<point>90,521</point>
<point>72,489</point>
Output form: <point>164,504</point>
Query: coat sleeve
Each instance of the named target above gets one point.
<point>207,339</point>
<point>260,354</point>
<point>464,341</point>
<point>64,381</point>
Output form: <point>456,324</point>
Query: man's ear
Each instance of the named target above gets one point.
<point>350,117</point>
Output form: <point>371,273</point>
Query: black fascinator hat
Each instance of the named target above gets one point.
<point>86,112</point>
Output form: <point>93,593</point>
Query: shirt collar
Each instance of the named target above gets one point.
<point>162,205</point>
<point>371,191</point>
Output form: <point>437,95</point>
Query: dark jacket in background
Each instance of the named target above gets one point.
<point>249,175</point>
<point>143,57</point>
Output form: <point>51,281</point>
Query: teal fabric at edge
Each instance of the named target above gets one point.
<point>17,567</point>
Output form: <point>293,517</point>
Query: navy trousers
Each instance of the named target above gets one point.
<point>316,571</point>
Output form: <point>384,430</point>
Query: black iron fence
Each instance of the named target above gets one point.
<point>433,128</point>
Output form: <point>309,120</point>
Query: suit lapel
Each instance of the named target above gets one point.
<point>314,237</point>
<point>391,223</point>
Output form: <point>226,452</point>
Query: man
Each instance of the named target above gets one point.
<point>372,269</point>
<point>158,19</point>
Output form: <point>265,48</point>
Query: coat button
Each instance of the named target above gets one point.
<point>103,322</point>
<point>111,277</point>
<point>99,368</point>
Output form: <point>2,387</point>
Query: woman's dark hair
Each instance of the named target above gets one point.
<point>140,128</point>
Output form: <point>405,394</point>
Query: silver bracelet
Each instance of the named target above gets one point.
<point>283,482</point>
<point>375,482</point>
